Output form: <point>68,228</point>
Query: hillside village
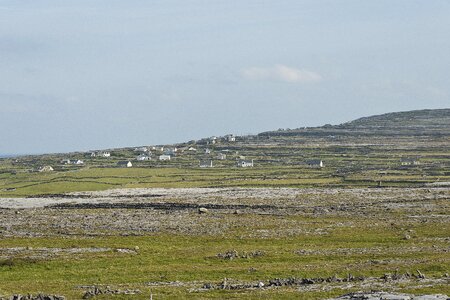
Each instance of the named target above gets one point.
<point>219,152</point>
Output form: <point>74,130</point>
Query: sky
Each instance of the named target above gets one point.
<point>80,75</point>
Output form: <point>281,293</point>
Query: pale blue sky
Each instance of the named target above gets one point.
<point>79,75</point>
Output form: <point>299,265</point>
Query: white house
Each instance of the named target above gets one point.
<point>143,157</point>
<point>124,164</point>
<point>221,156</point>
<point>315,163</point>
<point>164,157</point>
<point>158,148</point>
<point>230,138</point>
<point>245,163</point>
<point>206,163</point>
<point>409,161</point>
<point>72,162</point>
<point>104,154</point>
<point>141,149</point>
<point>192,149</point>
<point>170,151</point>
<point>46,169</point>
<point>207,151</point>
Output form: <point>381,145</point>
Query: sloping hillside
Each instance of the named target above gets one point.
<point>409,123</point>
<point>427,118</point>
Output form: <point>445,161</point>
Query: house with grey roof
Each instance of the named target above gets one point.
<point>143,157</point>
<point>124,164</point>
<point>164,157</point>
<point>206,163</point>
<point>409,161</point>
<point>315,163</point>
<point>221,156</point>
<point>245,163</point>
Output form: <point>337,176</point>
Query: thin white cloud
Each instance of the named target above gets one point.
<point>281,73</point>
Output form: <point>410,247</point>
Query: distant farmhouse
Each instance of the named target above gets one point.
<point>245,163</point>
<point>315,163</point>
<point>141,149</point>
<point>409,161</point>
<point>170,151</point>
<point>105,154</point>
<point>46,169</point>
<point>164,157</point>
<point>206,163</point>
<point>143,157</point>
<point>72,162</point>
<point>230,138</point>
<point>124,164</point>
<point>101,154</point>
<point>221,156</point>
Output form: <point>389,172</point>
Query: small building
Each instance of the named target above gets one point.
<point>170,151</point>
<point>105,154</point>
<point>46,169</point>
<point>124,164</point>
<point>221,156</point>
<point>66,161</point>
<point>72,162</point>
<point>315,163</point>
<point>206,163</point>
<point>192,149</point>
<point>143,157</point>
<point>141,149</point>
<point>207,151</point>
<point>409,161</point>
<point>245,163</point>
<point>230,138</point>
<point>158,148</point>
<point>164,157</point>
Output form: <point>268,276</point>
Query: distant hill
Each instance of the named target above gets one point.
<point>431,118</point>
<point>416,122</point>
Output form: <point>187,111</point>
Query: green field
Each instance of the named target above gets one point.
<point>191,259</point>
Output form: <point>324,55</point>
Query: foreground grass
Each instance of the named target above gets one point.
<point>193,260</point>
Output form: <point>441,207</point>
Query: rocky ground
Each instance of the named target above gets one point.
<point>213,211</point>
<point>246,213</point>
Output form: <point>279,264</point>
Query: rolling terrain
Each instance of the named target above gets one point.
<point>374,216</point>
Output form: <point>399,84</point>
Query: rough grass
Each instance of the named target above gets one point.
<point>193,259</point>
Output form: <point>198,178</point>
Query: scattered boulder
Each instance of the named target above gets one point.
<point>202,210</point>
